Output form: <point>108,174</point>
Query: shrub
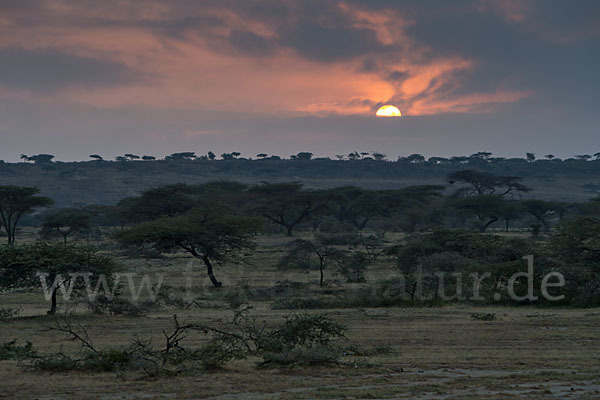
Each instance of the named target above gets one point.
<point>58,362</point>
<point>119,306</point>
<point>484,316</point>
<point>301,339</point>
<point>11,351</point>
<point>295,356</point>
<point>7,313</point>
<point>353,268</point>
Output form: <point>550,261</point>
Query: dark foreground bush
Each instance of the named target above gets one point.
<point>108,305</point>
<point>302,339</point>
<point>11,351</point>
<point>6,313</point>
<point>295,356</point>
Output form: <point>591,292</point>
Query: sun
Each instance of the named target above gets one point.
<point>388,111</point>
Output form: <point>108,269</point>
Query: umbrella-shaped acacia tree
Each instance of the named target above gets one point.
<point>207,233</point>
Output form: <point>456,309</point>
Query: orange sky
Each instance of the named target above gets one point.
<point>290,59</point>
<point>201,70</point>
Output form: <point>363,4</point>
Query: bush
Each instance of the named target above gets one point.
<point>8,313</point>
<point>296,356</point>
<point>353,268</point>
<point>307,330</point>
<point>484,316</point>
<point>214,355</point>
<point>301,339</point>
<point>10,351</point>
<point>58,362</point>
<point>119,306</point>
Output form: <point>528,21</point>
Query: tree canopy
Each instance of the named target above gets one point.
<point>16,201</point>
<point>208,234</point>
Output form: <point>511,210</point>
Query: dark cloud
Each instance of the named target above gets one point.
<point>397,76</point>
<point>49,70</point>
<point>325,43</point>
<point>251,43</point>
<point>525,55</point>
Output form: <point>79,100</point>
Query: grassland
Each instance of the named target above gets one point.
<point>396,352</point>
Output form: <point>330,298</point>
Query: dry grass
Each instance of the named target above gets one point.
<point>434,353</point>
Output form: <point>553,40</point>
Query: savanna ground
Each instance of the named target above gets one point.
<point>405,352</point>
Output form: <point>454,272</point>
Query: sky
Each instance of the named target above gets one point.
<point>279,77</point>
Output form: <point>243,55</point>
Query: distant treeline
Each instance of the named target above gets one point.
<point>106,182</point>
<point>305,155</point>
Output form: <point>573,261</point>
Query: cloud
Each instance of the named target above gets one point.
<point>51,70</point>
<point>283,74</point>
<point>250,43</point>
<point>330,43</point>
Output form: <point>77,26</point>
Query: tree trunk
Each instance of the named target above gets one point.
<point>321,270</point>
<point>491,221</point>
<point>289,230</point>
<point>209,269</point>
<point>546,225</point>
<point>10,235</point>
<point>52,310</point>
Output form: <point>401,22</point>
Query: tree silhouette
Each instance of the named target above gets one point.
<point>378,156</point>
<point>307,254</point>
<point>286,204</point>
<point>304,155</point>
<point>67,222</point>
<point>41,158</point>
<point>16,201</point>
<point>483,183</point>
<point>208,234</point>
<point>186,155</point>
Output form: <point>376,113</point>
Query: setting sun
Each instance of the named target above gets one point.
<point>388,111</point>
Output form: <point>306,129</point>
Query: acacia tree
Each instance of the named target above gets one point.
<point>41,158</point>
<point>304,155</point>
<point>308,254</point>
<point>482,183</point>
<point>576,244</point>
<point>163,201</point>
<point>208,234</point>
<point>26,266</point>
<point>543,210</point>
<point>356,205</point>
<point>378,156</point>
<point>488,209</point>
<point>186,155</point>
<point>286,204</point>
<point>67,222</point>
<point>16,201</point>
